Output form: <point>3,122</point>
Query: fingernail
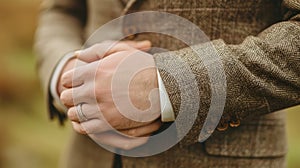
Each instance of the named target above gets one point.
<point>77,53</point>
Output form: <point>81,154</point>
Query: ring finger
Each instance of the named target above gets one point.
<point>87,110</point>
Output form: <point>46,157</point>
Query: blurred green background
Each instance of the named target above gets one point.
<point>27,138</point>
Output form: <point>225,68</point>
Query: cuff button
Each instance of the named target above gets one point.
<point>222,126</point>
<point>235,124</point>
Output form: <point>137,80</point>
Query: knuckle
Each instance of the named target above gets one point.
<point>86,128</point>
<point>64,77</point>
<point>101,93</point>
<point>63,97</point>
<point>96,114</point>
<point>79,129</point>
<point>71,114</point>
<point>82,130</point>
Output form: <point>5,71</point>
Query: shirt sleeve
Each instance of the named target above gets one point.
<point>54,81</point>
<point>167,113</point>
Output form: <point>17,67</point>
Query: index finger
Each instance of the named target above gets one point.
<point>101,50</point>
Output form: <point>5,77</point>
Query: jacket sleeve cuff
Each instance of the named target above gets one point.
<point>54,81</point>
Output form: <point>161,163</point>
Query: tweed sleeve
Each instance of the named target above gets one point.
<point>59,32</point>
<point>262,74</point>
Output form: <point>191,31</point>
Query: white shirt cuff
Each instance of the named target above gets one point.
<point>54,81</point>
<point>167,113</point>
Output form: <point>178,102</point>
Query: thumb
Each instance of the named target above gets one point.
<point>140,45</point>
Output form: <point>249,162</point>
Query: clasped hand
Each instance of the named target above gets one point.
<point>117,91</point>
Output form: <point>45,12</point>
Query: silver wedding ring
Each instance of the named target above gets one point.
<point>80,114</point>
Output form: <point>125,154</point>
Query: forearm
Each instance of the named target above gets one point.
<point>262,75</point>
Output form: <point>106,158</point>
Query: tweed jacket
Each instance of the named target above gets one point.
<point>258,42</point>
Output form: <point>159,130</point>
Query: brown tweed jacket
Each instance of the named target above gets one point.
<point>259,45</point>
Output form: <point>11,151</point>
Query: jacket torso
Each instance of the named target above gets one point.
<point>260,141</point>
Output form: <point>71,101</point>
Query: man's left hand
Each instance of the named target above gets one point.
<point>117,90</point>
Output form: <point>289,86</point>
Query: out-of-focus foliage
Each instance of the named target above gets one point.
<point>27,138</point>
